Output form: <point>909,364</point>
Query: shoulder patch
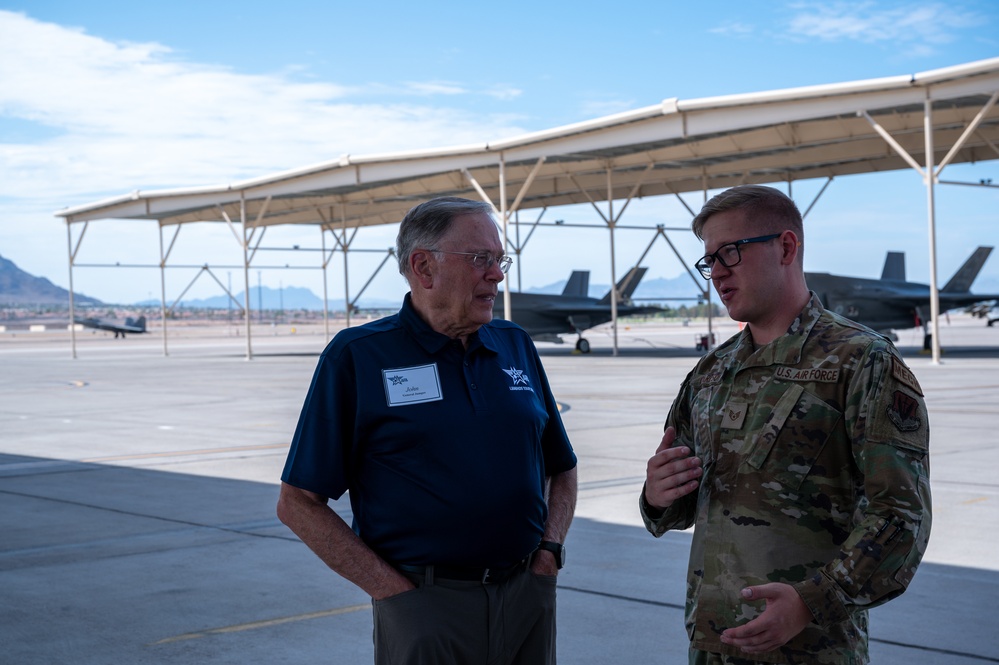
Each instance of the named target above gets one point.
<point>903,412</point>
<point>904,375</point>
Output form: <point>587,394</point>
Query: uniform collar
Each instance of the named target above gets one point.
<point>434,342</point>
<point>786,349</point>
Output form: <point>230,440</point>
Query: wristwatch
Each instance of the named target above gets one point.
<point>558,549</point>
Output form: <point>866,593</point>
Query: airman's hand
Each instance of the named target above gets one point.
<point>785,616</point>
<point>671,473</point>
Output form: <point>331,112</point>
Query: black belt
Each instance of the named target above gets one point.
<point>483,575</point>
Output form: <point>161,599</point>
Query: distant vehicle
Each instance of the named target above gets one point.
<point>546,316</point>
<point>704,341</point>
<point>131,325</point>
<point>892,303</point>
<point>981,310</point>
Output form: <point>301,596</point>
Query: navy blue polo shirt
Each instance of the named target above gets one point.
<point>444,450</point>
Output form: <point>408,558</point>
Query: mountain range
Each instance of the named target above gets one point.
<point>19,288</point>
<point>293,297</point>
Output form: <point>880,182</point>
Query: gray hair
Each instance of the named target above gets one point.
<point>768,209</point>
<point>424,225</point>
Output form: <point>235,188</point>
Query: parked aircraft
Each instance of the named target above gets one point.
<point>892,303</point>
<point>130,326</point>
<point>547,316</point>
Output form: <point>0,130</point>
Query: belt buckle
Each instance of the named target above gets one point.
<point>485,576</point>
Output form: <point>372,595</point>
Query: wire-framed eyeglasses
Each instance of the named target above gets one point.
<point>483,260</point>
<point>728,254</point>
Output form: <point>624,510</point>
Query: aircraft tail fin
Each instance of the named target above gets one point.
<point>966,274</point>
<point>139,323</point>
<point>894,266</point>
<point>626,287</point>
<point>578,284</point>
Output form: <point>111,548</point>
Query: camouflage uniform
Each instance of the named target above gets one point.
<point>816,474</point>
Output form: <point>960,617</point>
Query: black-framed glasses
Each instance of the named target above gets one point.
<point>728,254</point>
<point>483,260</point>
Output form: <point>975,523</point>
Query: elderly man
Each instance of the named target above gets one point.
<point>798,451</point>
<point>441,424</point>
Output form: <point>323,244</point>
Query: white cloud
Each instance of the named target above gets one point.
<point>504,93</point>
<point>917,25</point>
<point>120,116</point>
<point>733,28</point>
<point>446,88</point>
<point>435,88</point>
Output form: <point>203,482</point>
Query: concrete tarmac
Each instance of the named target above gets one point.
<point>138,493</point>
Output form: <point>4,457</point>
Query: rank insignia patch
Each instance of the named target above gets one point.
<point>733,415</point>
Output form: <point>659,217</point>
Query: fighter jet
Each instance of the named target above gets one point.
<point>547,316</point>
<point>892,303</point>
<point>130,326</point>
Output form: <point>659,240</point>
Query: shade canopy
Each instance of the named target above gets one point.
<point>673,147</point>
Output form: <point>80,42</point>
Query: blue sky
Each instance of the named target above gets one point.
<point>98,99</point>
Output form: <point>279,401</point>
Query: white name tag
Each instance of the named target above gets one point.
<point>412,385</point>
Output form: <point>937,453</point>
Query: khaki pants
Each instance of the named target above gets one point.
<point>449,622</point>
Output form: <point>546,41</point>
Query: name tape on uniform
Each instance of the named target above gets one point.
<point>816,374</point>
<point>905,375</point>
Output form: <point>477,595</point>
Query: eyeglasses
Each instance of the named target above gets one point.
<point>483,260</point>
<point>728,254</point>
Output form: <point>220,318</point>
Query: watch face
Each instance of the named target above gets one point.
<point>557,549</point>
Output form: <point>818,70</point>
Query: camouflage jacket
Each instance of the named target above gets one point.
<point>816,474</point>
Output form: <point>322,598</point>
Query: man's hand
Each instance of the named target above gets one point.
<point>671,473</point>
<point>543,563</point>
<point>785,616</point>
<point>311,518</point>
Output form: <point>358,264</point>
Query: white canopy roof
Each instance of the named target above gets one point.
<point>673,147</point>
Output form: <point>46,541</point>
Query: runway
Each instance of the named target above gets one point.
<point>138,496</point>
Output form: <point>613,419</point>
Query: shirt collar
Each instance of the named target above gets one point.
<point>786,349</point>
<point>434,342</point>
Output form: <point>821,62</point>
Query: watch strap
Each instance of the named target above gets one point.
<point>557,549</point>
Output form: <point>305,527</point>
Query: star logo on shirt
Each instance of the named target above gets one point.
<point>397,380</point>
<point>517,375</point>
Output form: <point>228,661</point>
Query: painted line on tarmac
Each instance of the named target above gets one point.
<point>182,453</point>
<point>676,606</point>
<point>254,625</point>
<point>947,652</point>
<point>611,482</point>
<point>616,596</point>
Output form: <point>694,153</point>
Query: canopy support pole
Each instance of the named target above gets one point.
<point>72,304</point>
<point>246,275</point>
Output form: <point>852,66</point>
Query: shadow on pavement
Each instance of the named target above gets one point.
<point>103,563</point>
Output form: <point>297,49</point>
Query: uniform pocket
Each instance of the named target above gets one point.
<point>792,436</point>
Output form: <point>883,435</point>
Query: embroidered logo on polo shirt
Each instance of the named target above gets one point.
<point>520,380</point>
